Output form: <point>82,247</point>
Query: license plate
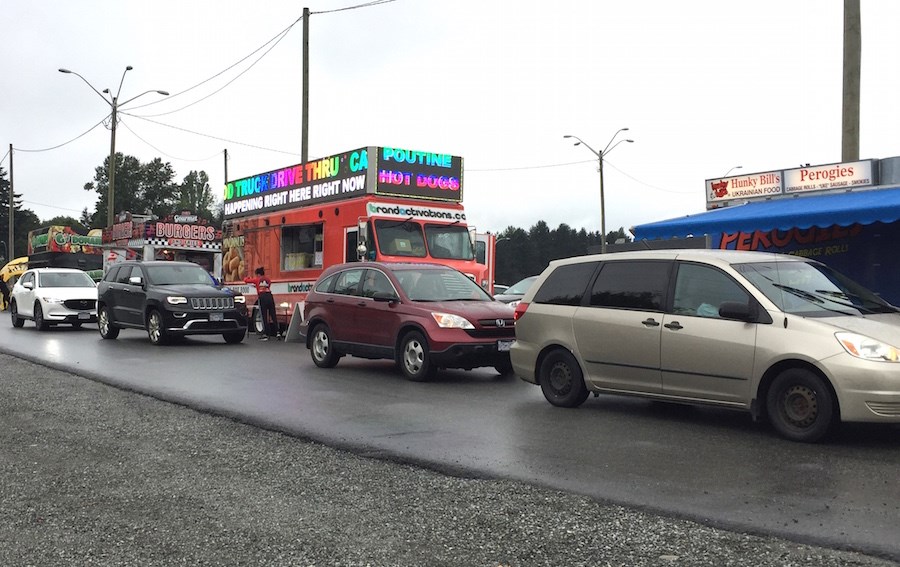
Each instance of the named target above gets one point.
<point>216,316</point>
<point>503,346</point>
<point>84,316</point>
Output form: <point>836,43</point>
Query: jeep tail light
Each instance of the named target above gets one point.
<point>520,310</point>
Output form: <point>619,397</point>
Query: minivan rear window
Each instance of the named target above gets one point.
<point>632,285</point>
<point>566,285</point>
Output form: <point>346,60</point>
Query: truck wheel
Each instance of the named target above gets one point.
<point>321,347</point>
<point>17,321</point>
<point>107,330</point>
<point>156,330</point>
<point>414,358</point>
<point>39,322</point>
<point>561,379</point>
<point>800,406</point>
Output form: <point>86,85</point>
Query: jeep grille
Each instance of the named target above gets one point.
<point>212,303</point>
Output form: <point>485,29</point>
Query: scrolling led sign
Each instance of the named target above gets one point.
<point>328,179</point>
<point>424,175</point>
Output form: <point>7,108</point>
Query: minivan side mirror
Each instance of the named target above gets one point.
<point>736,310</point>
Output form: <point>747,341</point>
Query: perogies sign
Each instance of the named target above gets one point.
<point>328,179</point>
<point>414,173</point>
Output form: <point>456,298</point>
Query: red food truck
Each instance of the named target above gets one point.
<point>372,203</point>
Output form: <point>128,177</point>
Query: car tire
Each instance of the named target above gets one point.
<point>17,321</point>
<point>39,323</point>
<point>321,347</point>
<point>105,324</point>
<point>234,337</point>
<point>800,406</point>
<point>156,330</point>
<point>415,362</point>
<point>562,380</point>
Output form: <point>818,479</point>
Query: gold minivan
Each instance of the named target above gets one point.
<point>782,337</point>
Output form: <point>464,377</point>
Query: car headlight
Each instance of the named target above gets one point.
<point>176,300</point>
<point>450,321</point>
<point>240,299</point>
<point>52,300</point>
<point>867,348</point>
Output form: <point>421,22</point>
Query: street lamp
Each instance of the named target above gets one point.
<point>114,104</point>
<point>600,155</point>
<point>732,169</point>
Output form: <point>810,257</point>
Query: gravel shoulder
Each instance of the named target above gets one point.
<point>92,475</point>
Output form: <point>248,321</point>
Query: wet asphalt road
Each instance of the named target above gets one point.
<point>712,466</point>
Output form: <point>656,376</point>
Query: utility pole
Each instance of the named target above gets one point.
<point>12,199</point>
<point>852,56</point>
<point>304,140</point>
<point>226,165</point>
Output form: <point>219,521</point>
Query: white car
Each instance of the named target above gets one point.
<point>49,296</point>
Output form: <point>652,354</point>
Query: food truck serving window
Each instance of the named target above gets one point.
<point>400,238</point>
<point>301,247</point>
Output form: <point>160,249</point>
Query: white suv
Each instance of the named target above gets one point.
<point>779,336</point>
<point>49,296</point>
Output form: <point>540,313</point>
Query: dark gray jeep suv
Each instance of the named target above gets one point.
<point>167,299</point>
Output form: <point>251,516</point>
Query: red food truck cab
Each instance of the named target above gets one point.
<point>373,203</point>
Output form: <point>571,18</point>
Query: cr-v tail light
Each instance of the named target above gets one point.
<point>520,310</point>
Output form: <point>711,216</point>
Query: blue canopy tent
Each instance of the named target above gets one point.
<point>844,209</point>
<point>864,248</point>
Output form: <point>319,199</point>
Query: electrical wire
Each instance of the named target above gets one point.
<point>214,137</point>
<point>64,143</point>
<point>135,134</point>
<point>277,38</point>
<point>366,5</point>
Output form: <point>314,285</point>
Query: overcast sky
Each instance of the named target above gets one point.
<point>704,86</point>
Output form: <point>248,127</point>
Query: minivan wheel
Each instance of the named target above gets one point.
<point>414,357</point>
<point>156,329</point>
<point>107,330</point>
<point>800,406</point>
<point>321,348</point>
<point>561,379</point>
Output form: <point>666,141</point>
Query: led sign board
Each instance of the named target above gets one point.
<point>328,179</point>
<point>423,175</point>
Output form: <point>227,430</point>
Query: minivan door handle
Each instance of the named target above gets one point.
<point>651,322</point>
<point>674,325</point>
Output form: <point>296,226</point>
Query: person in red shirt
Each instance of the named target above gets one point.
<point>265,301</point>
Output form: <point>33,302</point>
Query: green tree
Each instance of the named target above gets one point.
<point>140,188</point>
<point>196,195</point>
<point>159,190</point>
<point>64,221</point>
<point>24,221</point>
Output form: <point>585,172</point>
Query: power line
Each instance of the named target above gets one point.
<point>64,143</point>
<point>213,137</point>
<point>366,5</point>
<point>277,39</point>
<point>135,134</point>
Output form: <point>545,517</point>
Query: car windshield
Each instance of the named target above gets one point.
<point>65,279</point>
<point>175,275</point>
<point>400,238</point>
<point>439,285</point>
<point>520,287</point>
<point>812,289</point>
<point>450,242</point>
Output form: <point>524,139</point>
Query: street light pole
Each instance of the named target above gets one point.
<point>114,105</point>
<point>732,169</point>
<point>600,155</point>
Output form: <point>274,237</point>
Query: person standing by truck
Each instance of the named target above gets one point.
<point>265,302</point>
